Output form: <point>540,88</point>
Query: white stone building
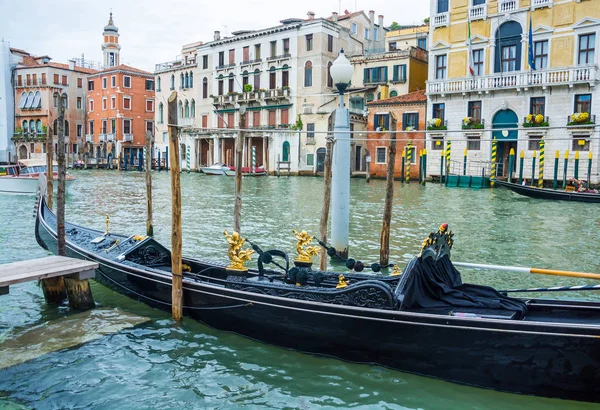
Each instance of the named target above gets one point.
<point>9,58</point>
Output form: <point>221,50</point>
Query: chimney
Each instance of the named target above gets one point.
<point>334,17</point>
<point>217,35</point>
<point>311,15</point>
<point>380,23</point>
<point>71,65</point>
<point>372,16</point>
<point>370,41</point>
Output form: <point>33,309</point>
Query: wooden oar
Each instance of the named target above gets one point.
<point>529,270</point>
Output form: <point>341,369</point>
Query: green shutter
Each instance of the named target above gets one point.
<point>366,75</point>
<point>385,73</point>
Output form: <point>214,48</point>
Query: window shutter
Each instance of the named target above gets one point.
<point>366,75</point>
<point>385,73</point>
<point>416,121</point>
<point>404,121</point>
<point>387,122</point>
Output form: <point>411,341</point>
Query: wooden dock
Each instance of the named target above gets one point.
<point>44,268</point>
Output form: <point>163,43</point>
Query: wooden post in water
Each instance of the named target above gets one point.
<point>521,162</point>
<point>566,165</point>
<point>62,174</point>
<point>54,288</point>
<point>239,151</point>
<point>576,170</point>
<point>533,168</point>
<point>424,166</point>
<point>149,226</point>
<point>589,170</point>
<point>368,168</point>
<point>384,250</point>
<point>326,201</point>
<point>176,240</point>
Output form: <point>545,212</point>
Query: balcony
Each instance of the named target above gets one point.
<point>224,66</point>
<point>441,20</point>
<point>248,62</point>
<point>185,122</point>
<point>478,12</point>
<point>174,65</point>
<point>398,80</point>
<point>110,137</point>
<point>375,81</point>
<point>515,80</point>
<point>281,57</point>
<point>37,83</point>
<point>506,6</point>
<point>102,138</point>
<point>127,137</point>
<point>541,3</point>
<point>89,137</point>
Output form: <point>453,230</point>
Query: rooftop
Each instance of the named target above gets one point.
<point>416,97</point>
<point>123,67</point>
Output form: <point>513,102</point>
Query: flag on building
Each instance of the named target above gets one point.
<point>531,54</point>
<point>471,65</point>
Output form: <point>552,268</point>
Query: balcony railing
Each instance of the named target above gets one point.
<point>186,122</point>
<point>89,137</point>
<point>516,79</point>
<point>102,137</point>
<point>375,81</point>
<point>224,66</point>
<point>398,80</point>
<point>478,12</point>
<point>441,19</point>
<point>542,3</point>
<point>247,62</point>
<point>127,137</point>
<point>37,83</point>
<point>110,137</point>
<point>280,57</point>
<point>174,64</point>
<point>505,6</point>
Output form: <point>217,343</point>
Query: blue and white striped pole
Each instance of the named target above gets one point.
<point>254,159</point>
<point>187,159</point>
<point>144,157</point>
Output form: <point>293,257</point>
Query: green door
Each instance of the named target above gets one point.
<point>286,152</point>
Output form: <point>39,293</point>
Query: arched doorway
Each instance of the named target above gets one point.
<point>321,159</point>
<point>23,152</point>
<point>285,154</point>
<point>505,130</point>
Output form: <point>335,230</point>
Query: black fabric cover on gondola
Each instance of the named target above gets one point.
<point>428,283</point>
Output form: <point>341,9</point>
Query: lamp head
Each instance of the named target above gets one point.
<point>341,71</point>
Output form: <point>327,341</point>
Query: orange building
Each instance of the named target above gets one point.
<point>410,113</point>
<point>120,107</point>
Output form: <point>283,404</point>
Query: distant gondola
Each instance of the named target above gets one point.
<point>425,321</point>
<point>544,193</point>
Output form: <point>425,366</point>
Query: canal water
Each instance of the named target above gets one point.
<point>160,364</point>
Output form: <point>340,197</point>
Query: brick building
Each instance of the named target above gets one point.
<point>410,113</point>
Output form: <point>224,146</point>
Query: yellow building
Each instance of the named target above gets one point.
<point>491,94</point>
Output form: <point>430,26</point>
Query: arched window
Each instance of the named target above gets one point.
<point>157,83</point>
<point>23,100</point>
<point>25,127</point>
<point>220,83</point>
<point>285,76</point>
<point>308,74</point>
<point>205,87</point>
<point>393,93</point>
<point>231,83</point>
<point>29,103</point>
<point>66,128</point>
<point>37,100</point>
<point>508,47</point>
<point>187,109</point>
<point>187,80</point>
<point>193,109</point>
<point>379,95</point>
<point>32,126</point>
<point>285,155</point>
<point>55,127</point>
<point>256,80</point>
<point>329,78</point>
<point>161,110</point>
<point>272,78</point>
<point>244,78</point>
<point>180,109</point>
<point>38,126</point>
<point>172,81</point>
<point>369,97</point>
<point>181,81</point>
<point>191,79</point>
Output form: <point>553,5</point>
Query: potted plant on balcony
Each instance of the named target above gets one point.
<point>247,88</point>
<point>436,124</point>
<point>262,92</point>
<point>535,121</point>
<point>18,133</point>
<point>470,123</point>
<point>286,90</point>
<point>580,118</point>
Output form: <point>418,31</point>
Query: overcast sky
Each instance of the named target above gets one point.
<point>154,31</point>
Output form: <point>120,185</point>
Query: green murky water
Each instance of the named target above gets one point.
<point>163,365</point>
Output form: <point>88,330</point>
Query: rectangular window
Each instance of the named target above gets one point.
<point>104,103</point>
<point>310,160</point>
<point>113,125</point>
<point>354,28</point>
<point>79,103</point>
<point>230,120</point>
<point>540,53</point>
<point>509,58</point>
<point>413,154</point>
<point>126,126</point>
<point>113,102</point>
<point>381,155</point>
<point>257,51</point>
<point>91,85</point>
<point>246,54</point>
<point>437,143</point>
<point>587,48</point>
<point>440,67</point>
<point>392,46</point>
<point>44,83</point>
<point>205,121</point>
<point>375,75</point>
<point>583,103</point>
<point>439,111</point>
<point>91,105</point>
<point>286,46</point>
<point>79,130</point>
<point>422,43</point>
<point>127,103</point>
<point>375,34</point>
<point>149,105</point>
<point>56,79</point>
<point>478,61</point>
<point>366,33</point>
<point>204,62</point>
<point>28,82</point>
<point>538,105</point>
<point>221,58</point>
<point>310,131</point>
<point>126,81</point>
<point>232,56</point>
<point>381,122</point>
<point>256,119</point>
<point>149,85</point>
<point>104,127</point>
<point>272,118</point>
<point>534,142</point>
<point>220,121</point>
<point>442,6</point>
<point>474,111</point>
<point>473,143</point>
<point>284,116</point>
<point>410,121</point>
<point>330,43</point>
<point>309,42</point>
<point>165,139</point>
<point>273,49</point>
<point>104,82</point>
<point>581,143</point>
<point>149,127</point>
<point>400,73</point>
<point>113,81</point>
<point>220,87</point>
<point>64,80</point>
<point>80,83</point>
<point>91,129</point>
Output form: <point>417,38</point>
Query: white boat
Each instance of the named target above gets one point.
<point>23,178</point>
<point>216,169</point>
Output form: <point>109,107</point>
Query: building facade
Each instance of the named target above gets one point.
<point>409,112</point>
<point>9,58</point>
<point>498,91</point>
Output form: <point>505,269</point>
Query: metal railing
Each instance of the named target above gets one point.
<point>478,12</point>
<point>174,64</point>
<point>127,137</point>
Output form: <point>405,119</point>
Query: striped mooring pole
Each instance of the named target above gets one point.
<point>494,154</point>
<point>511,164</point>
<point>144,158</point>
<point>403,165</point>
<point>408,160</point>
<point>521,162</point>
<point>187,159</point>
<point>576,171</point>
<point>253,159</point>
<point>556,158</point>
<point>420,164</point>
<point>166,158</point>
<point>442,166</point>
<point>465,161</point>
<point>589,173</point>
<point>159,160</point>
<point>424,166</point>
<point>533,168</point>
<point>564,185</point>
<point>541,170</point>
<point>448,152</point>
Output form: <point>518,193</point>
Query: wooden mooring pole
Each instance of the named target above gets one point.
<point>384,251</point>
<point>326,201</point>
<point>176,239</point>
<point>49,166</point>
<point>239,151</point>
<point>149,226</point>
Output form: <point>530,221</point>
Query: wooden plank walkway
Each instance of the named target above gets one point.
<point>43,268</point>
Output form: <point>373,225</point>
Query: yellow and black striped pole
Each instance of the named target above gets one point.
<point>408,160</point>
<point>465,162</point>
<point>448,152</point>
<point>511,164</point>
<point>541,170</point>
<point>442,166</point>
<point>493,170</point>
<point>556,158</point>
<point>424,166</point>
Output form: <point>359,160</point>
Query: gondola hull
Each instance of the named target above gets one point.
<point>543,193</point>
<point>537,356</point>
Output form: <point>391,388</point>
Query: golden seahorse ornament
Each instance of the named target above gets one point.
<point>303,239</point>
<point>237,255</point>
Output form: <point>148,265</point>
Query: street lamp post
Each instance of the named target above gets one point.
<point>341,73</point>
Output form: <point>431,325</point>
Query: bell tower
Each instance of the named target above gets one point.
<point>111,47</point>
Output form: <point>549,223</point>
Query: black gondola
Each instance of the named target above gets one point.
<point>544,193</point>
<point>424,321</point>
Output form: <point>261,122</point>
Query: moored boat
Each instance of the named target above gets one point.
<point>425,321</point>
<point>23,178</point>
<point>215,169</point>
<point>544,193</point>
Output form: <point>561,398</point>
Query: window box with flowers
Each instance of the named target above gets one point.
<point>536,121</point>
<point>470,123</point>
<point>436,124</point>
<point>581,119</point>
